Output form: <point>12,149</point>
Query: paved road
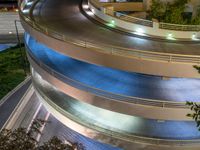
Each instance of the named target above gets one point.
<point>9,105</point>
<point>7,27</point>
<point>7,23</point>
<point>65,17</point>
<point>116,81</point>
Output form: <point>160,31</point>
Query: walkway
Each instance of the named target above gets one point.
<point>65,17</point>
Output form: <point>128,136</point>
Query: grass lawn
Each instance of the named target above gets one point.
<point>11,69</point>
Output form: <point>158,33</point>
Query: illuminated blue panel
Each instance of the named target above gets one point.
<point>117,81</point>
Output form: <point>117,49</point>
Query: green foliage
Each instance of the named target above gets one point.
<point>157,9</point>
<point>196,20</point>
<point>12,64</point>
<point>55,144</point>
<point>172,12</point>
<point>196,112</point>
<point>195,108</point>
<point>17,139</point>
<point>20,139</point>
<point>197,67</point>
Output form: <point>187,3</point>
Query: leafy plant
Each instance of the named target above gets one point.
<point>20,139</point>
<point>195,107</point>
<point>196,112</point>
<point>173,12</point>
<point>157,9</point>
<point>12,68</point>
<point>196,19</point>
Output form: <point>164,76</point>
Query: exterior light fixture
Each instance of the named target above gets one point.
<point>10,32</point>
<point>25,10</point>
<point>113,21</point>
<point>90,13</point>
<point>140,31</point>
<point>29,3</point>
<point>170,36</point>
<point>194,37</point>
<point>85,6</point>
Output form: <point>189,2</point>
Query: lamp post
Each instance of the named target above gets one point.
<point>20,47</point>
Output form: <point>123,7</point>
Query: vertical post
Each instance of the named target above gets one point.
<point>20,47</point>
<point>170,58</point>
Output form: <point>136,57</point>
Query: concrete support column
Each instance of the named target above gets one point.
<point>155,24</point>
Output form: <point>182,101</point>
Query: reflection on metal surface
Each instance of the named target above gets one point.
<point>98,118</point>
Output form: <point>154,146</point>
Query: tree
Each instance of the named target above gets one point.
<point>20,139</point>
<point>196,112</point>
<point>174,14</point>
<point>55,144</point>
<point>157,9</point>
<point>196,19</point>
<point>169,12</point>
<point>17,139</point>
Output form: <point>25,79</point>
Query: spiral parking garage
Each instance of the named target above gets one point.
<point>91,95</point>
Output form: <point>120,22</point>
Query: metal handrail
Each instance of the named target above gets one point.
<point>119,135</point>
<point>144,22</point>
<point>122,16</point>
<point>161,103</point>
<point>114,50</point>
<point>106,94</point>
<point>129,18</point>
<point>179,27</point>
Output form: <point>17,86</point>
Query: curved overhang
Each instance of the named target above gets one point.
<point>97,56</point>
<point>127,107</point>
<point>96,131</point>
<point>109,138</point>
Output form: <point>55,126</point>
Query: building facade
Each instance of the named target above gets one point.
<point>112,90</point>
